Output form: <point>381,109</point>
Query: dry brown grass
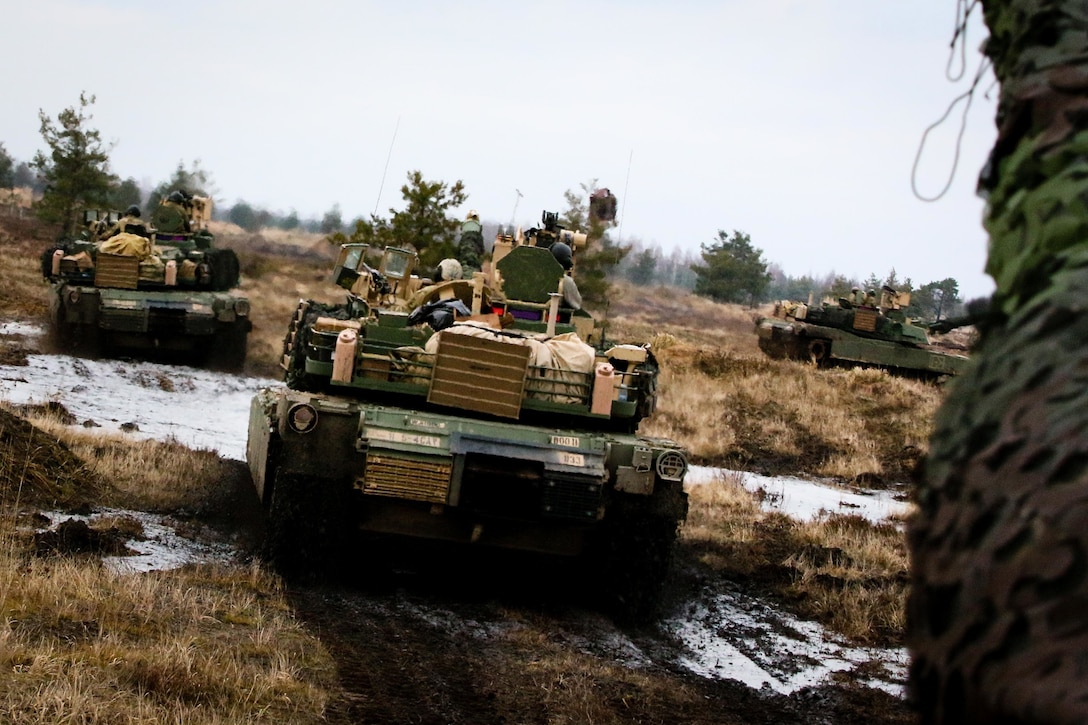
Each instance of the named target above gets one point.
<point>80,643</point>
<point>23,296</point>
<point>732,406</point>
<point>842,570</point>
<point>576,687</point>
<point>149,475</point>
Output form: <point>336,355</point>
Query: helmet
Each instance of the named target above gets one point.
<point>448,269</point>
<point>563,254</point>
<point>132,211</point>
<point>176,197</point>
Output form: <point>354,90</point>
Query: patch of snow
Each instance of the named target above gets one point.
<point>807,500</point>
<point>20,329</point>
<point>731,635</point>
<point>160,549</point>
<point>202,409</point>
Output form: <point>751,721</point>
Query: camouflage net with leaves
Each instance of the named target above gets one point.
<point>998,609</point>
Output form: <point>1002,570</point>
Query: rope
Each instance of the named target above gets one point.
<point>964,8</point>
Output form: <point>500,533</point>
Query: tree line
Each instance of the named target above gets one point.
<point>732,269</point>
<point>73,173</point>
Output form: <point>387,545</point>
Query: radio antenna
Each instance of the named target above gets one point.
<point>514,214</point>
<point>623,204</point>
<point>386,169</point>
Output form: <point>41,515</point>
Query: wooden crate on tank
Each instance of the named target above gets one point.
<point>481,375</point>
<point>117,270</point>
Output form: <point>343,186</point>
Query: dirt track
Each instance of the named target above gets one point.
<point>421,648</point>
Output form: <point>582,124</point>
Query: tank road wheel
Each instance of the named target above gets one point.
<point>819,352</point>
<point>307,526</point>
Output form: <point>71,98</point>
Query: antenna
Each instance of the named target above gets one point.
<point>386,169</point>
<point>514,214</point>
<point>623,204</point>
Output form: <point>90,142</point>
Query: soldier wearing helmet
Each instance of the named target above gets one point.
<point>130,223</point>
<point>565,256</point>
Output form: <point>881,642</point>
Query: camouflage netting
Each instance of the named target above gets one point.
<point>998,610</point>
<point>38,471</point>
<point>1036,181</point>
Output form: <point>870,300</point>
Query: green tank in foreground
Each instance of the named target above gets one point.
<point>875,334</point>
<point>480,412</point>
<point>155,290</point>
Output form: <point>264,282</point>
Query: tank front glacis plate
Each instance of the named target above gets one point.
<point>138,311</point>
<point>430,434</point>
<point>424,456</point>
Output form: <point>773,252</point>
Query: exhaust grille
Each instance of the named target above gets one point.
<point>570,497</point>
<point>402,478</point>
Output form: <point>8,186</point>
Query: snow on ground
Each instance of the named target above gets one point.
<point>807,500</point>
<point>201,408</point>
<point>733,635</point>
<point>159,548</point>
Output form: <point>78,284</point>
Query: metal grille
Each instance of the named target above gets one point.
<point>865,320</point>
<point>570,497</point>
<point>473,373</point>
<point>123,320</point>
<point>403,478</point>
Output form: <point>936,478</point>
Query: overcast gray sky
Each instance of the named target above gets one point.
<point>796,121</point>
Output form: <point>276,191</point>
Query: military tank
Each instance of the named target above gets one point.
<point>484,412</point>
<point>162,289</point>
<point>862,332</point>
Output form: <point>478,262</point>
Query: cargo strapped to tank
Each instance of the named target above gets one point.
<point>478,374</point>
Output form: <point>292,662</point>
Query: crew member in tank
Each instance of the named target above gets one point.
<point>565,256</point>
<point>130,223</point>
<point>448,269</point>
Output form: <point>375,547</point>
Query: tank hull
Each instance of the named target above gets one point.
<point>797,340</point>
<point>99,319</point>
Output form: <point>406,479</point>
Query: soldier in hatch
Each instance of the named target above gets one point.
<point>470,248</point>
<point>130,223</point>
<point>565,256</point>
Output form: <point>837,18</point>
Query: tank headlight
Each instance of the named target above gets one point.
<point>302,418</point>
<point>671,466</point>
<point>241,308</point>
<point>73,295</point>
